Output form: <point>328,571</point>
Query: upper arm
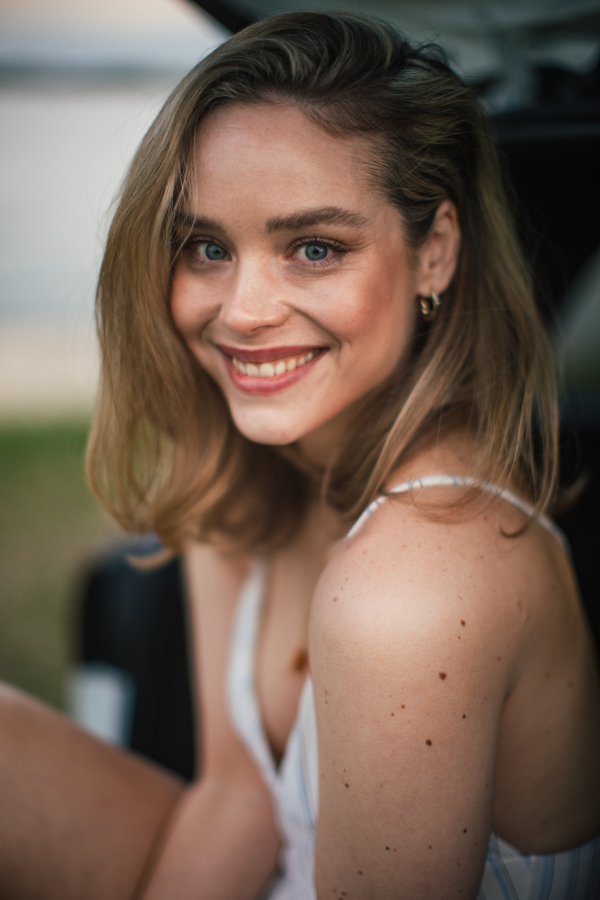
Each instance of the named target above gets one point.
<point>221,841</point>
<point>213,585</point>
<point>404,629</point>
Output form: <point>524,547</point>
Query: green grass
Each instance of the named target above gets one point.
<point>50,525</point>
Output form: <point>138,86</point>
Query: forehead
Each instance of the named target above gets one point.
<point>272,155</point>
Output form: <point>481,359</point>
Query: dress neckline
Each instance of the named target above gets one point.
<point>242,671</point>
<point>245,639</point>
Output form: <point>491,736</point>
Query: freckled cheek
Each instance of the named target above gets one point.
<point>189,308</point>
<point>376,315</point>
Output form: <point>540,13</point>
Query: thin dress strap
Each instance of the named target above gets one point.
<point>461,481</point>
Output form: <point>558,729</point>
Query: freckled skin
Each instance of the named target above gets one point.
<point>360,308</point>
<point>406,578</point>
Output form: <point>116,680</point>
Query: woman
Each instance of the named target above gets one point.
<point>313,307</point>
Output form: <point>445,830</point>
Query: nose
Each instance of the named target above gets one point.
<point>254,300</point>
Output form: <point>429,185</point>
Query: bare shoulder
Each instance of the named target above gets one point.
<point>208,569</point>
<point>417,635</point>
<point>431,574</point>
<point>457,581</point>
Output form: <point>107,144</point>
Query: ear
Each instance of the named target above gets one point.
<point>439,253</point>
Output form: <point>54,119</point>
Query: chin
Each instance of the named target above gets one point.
<point>272,433</point>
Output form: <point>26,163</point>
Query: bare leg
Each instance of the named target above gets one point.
<point>78,818</point>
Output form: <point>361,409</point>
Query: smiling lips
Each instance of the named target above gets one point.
<point>270,369</point>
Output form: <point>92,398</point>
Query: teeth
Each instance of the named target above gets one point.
<point>269,370</point>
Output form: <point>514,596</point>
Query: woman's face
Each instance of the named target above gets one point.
<point>295,290</point>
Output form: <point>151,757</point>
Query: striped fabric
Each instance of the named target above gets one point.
<point>508,874</point>
<point>572,875</point>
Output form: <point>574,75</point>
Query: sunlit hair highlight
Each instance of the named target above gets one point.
<point>164,454</point>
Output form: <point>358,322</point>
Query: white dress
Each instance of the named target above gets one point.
<point>508,874</point>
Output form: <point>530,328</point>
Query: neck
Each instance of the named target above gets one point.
<point>321,447</point>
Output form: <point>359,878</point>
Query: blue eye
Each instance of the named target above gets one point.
<point>214,252</point>
<point>315,252</point>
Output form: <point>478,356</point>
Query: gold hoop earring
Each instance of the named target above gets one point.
<point>429,306</point>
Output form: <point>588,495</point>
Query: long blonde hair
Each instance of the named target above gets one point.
<point>164,454</point>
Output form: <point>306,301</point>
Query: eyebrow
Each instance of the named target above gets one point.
<point>197,223</point>
<point>306,218</point>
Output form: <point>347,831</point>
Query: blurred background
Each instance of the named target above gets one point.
<point>80,81</point>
